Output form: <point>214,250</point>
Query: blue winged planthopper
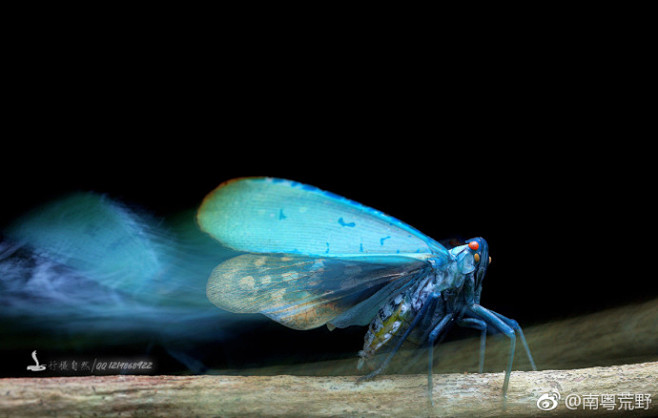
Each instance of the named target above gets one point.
<point>314,258</point>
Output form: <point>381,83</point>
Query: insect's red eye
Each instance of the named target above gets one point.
<point>473,245</point>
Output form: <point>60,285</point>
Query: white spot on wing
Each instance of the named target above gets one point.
<point>248,282</point>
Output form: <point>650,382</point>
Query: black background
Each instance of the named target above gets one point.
<point>542,157</point>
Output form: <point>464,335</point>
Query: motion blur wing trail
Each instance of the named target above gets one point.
<point>88,262</point>
<point>97,237</point>
<point>304,292</point>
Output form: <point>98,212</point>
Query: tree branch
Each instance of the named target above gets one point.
<point>454,394</point>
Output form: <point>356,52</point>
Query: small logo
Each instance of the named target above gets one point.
<point>548,401</point>
<point>36,367</point>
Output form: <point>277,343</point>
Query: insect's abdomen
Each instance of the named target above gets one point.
<point>392,320</point>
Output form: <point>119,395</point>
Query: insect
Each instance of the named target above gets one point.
<point>315,258</point>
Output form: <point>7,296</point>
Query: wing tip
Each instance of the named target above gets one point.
<point>205,203</point>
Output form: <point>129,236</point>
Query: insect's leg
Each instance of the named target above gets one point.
<point>482,326</point>
<point>494,321</point>
<point>395,349</point>
<point>517,328</point>
<point>432,339</point>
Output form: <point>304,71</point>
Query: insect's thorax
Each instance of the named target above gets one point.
<point>395,317</point>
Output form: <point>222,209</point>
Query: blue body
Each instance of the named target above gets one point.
<point>315,258</point>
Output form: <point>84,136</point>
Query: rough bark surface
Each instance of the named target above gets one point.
<point>454,394</point>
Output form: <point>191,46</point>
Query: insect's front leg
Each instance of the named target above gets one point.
<point>497,323</point>
<point>517,328</point>
<point>482,326</point>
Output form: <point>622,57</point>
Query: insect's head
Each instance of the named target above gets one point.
<point>480,250</point>
<point>472,258</point>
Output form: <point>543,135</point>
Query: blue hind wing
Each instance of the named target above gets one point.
<point>272,215</point>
